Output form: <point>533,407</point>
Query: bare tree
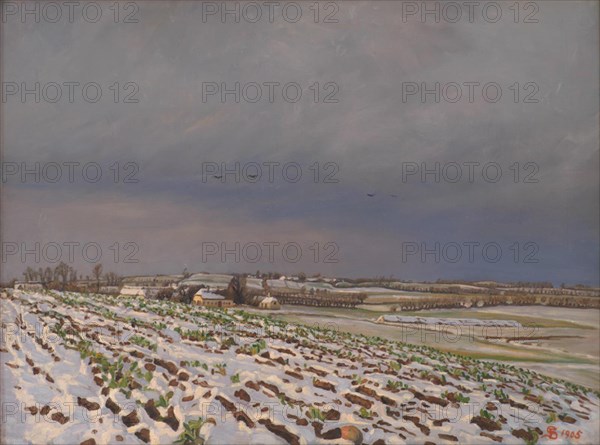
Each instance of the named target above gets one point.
<point>72,275</point>
<point>112,279</point>
<point>28,274</point>
<point>186,293</point>
<point>97,272</point>
<point>236,289</point>
<point>165,294</point>
<point>62,272</point>
<point>48,275</point>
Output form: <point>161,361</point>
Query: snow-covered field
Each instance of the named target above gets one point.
<point>95,369</point>
<point>434,321</point>
<point>220,281</point>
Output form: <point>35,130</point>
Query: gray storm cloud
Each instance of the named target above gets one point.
<point>371,134</point>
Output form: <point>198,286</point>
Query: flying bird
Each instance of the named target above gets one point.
<point>370,195</point>
<point>394,196</point>
<point>218,177</point>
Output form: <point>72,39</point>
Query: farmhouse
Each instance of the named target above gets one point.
<point>208,299</point>
<point>269,303</point>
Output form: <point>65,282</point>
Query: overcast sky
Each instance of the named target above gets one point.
<point>371,135</point>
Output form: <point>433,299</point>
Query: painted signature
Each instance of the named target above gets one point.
<point>553,433</point>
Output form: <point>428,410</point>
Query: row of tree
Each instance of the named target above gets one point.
<point>63,274</point>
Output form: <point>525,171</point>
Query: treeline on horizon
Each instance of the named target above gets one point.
<point>491,284</point>
<point>65,277</point>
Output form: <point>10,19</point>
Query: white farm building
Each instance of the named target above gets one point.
<point>208,299</point>
<point>132,291</point>
<point>269,303</point>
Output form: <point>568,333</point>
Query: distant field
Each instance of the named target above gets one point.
<point>572,334</point>
<point>525,320</point>
<point>367,312</point>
